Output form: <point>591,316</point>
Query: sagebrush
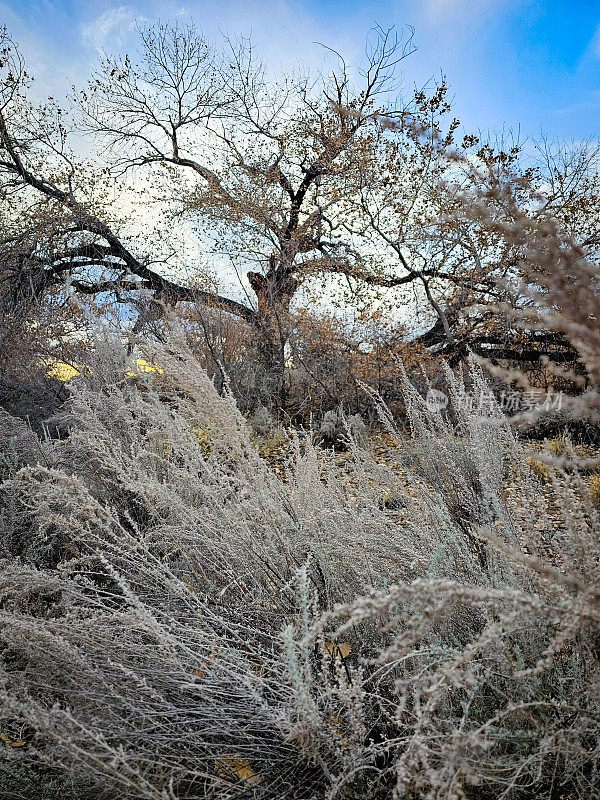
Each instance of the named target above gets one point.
<point>180,621</point>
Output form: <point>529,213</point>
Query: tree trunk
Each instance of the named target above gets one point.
<point>274,301</point>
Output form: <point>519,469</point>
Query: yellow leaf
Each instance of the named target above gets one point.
<point>342,649</point>
<point>145,366</point>
<point>12,742</point>
<point>236,768</point>
<point>204,440</point>
<point>61,371</point>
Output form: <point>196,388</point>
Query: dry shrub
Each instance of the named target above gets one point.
<point>26,390</point>
<point>177,623</point>
<point>32,336</point>
<point>332,359</point>
<point>228,349</point>
<point>595,489</point>
<point>328,360</point>
<point>540,469</point>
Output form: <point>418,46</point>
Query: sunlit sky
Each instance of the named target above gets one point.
<point>511,64</point>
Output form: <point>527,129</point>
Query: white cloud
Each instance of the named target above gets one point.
<point>110,28</point>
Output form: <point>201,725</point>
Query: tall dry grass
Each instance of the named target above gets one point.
<point>178,621</point>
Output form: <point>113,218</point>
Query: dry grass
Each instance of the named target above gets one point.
<point>179,622</point>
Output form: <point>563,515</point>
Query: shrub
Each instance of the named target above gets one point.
<point>261,421</point>
<point>563,447</point>
<point>208,630</point>
<point>339,431</point>
<point>595,489</point>
<point>540,469</point>
<point>558,425</point>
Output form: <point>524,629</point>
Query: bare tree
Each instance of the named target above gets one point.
<point>293,179</point>
<point>60,231</point>
<point>266,168</point>
<point>440,210</point>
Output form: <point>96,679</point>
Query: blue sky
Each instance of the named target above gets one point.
<point>509,63</point>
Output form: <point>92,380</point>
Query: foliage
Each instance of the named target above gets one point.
<point>329,361</point>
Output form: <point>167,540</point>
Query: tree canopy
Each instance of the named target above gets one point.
<point>331,177</point>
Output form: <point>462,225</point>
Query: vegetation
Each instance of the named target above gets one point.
<point>211,582</point>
